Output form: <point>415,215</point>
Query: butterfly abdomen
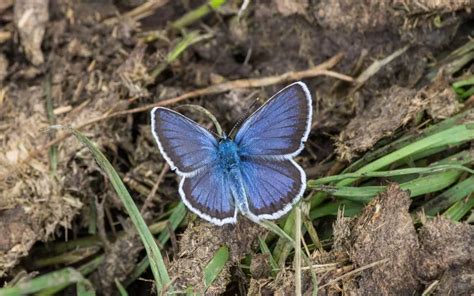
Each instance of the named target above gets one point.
<point>230,163</point>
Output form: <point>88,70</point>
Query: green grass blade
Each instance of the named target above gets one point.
<point>409,139</point>
<point>449,197</point>
<point>266,250</point>
<point>179,212</point>
<point>452,136</point>
<point>297,260</point>
<point>85,288</point>
<point>277,230</point>
<point>215,266</point>
<point>85,269</point>
<point>196,14</point>
<point>430,184</point>
<point>286,242</point>
<point>360,194</point>
<point>351,209</point>
<point>465,82</point>
<point>120,288</point>
<point>392,173</point>
<point>460,209</point>
<point>308,225</point>
<point>157,264</point>
<point>188,40</point>
<point>63,277</point>
<point>417,187</point>
<point>177,216</point>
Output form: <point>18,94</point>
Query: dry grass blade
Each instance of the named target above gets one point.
<point>298,287</point>
<point>355,271</point>
<point>379,64</point>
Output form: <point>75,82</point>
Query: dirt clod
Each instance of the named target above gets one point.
<point>404,260</point>
<point>31,17</point>
<point>444,246</point>
<point>199,244</point>
<point>260,266</point>
<point>119,261</point>
<point>381,118</point>
<point>443,101</point>
<point>385,231</point>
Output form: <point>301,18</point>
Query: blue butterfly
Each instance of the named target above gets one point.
<point>254,173</point>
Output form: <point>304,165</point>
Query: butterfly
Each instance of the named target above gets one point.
<point>253,173</point>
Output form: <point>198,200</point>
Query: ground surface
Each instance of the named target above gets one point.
<point>78,63</point>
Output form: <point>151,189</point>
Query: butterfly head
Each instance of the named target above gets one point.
<point>223,137</point>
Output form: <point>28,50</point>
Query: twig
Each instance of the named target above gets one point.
<point>142,11</point>
<point>376,66</point>
<point>319,70</point>
<point>151,195</point>
<point>354,272</point>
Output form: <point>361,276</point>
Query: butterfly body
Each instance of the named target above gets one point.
<point>228,155</point>
<point>230,166</point>
<point>253,173</point>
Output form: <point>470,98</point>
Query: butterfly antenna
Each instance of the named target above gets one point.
<point>212,131</point>
<point>246,114</point>
<point>219,133</point>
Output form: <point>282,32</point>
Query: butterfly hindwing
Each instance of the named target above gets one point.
<point>280,126</point>
<point>208,194</point>
<point>272,186</point>
<point>186,146</point>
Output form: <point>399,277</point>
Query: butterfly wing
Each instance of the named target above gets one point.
<point>280,126</point>
<point>268,141</point>
<point>192,151</point>
<point>272,186</point>
<point>208,195</point>
<point>186,146</point>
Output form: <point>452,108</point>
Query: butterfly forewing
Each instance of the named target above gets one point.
<point>186,146</point>
<point>280,126</point>
<point>267,142</point>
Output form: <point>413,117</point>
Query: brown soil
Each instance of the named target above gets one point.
<point>97,64</point>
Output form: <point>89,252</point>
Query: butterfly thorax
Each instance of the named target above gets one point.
<point>228,157</point>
